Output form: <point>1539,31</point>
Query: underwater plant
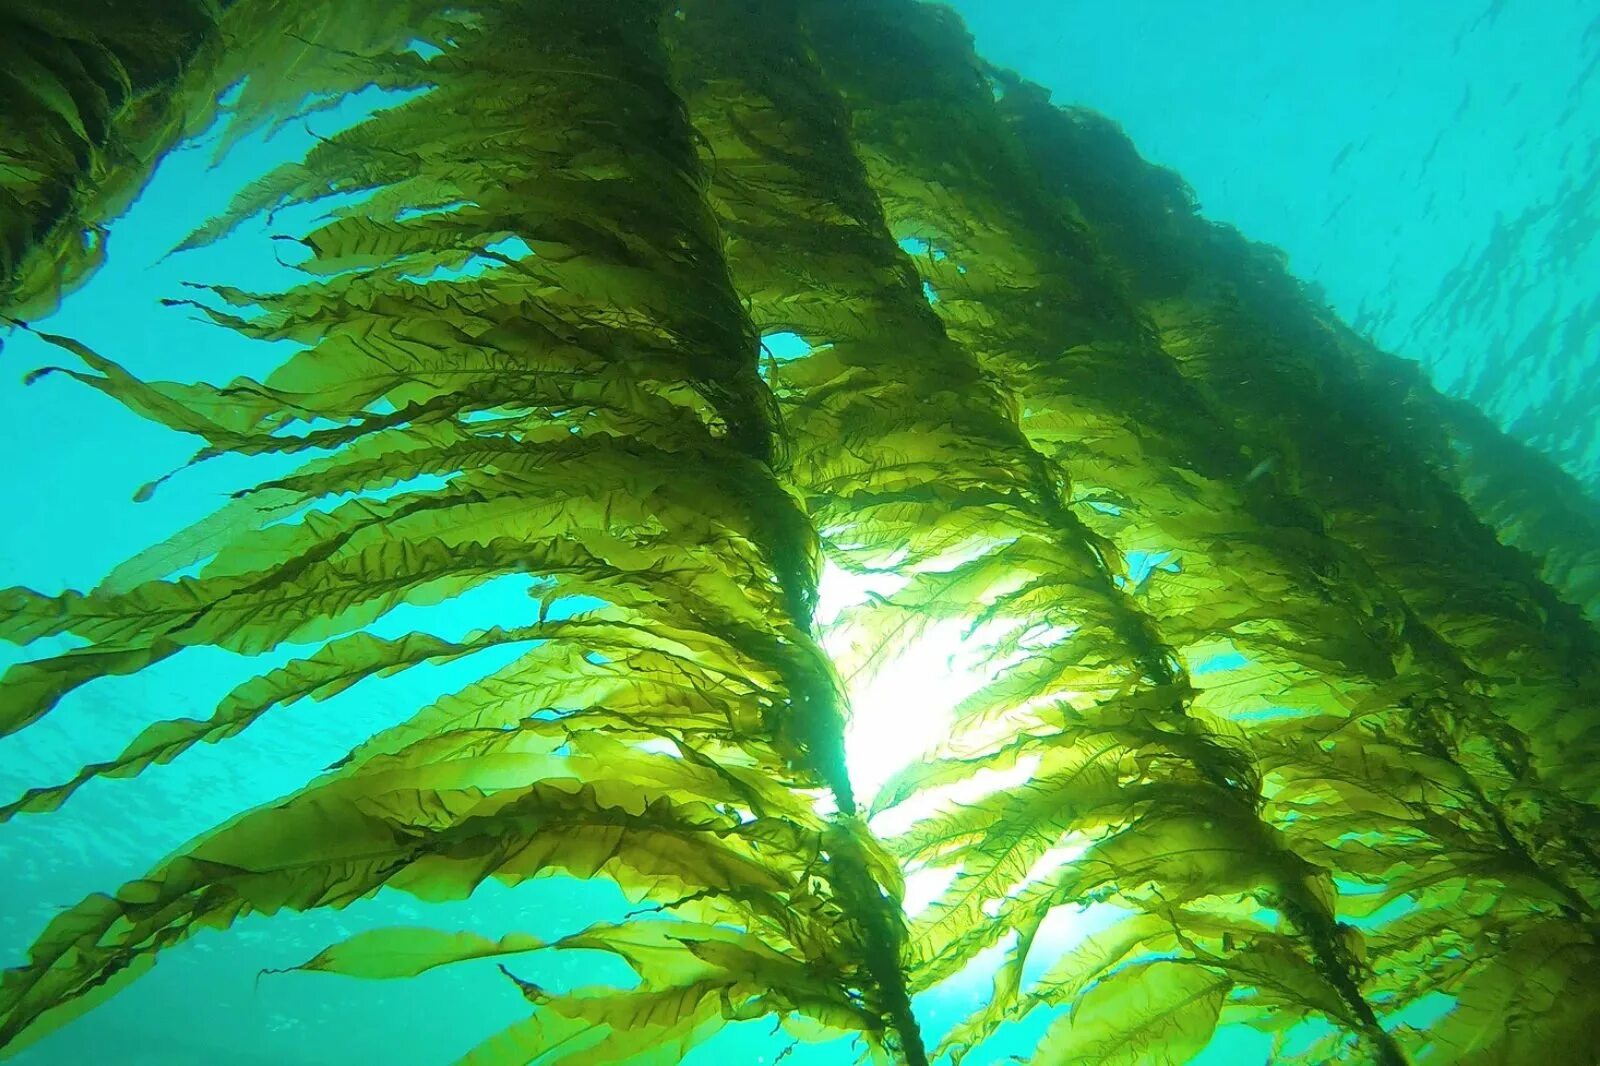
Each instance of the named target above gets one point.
<point>1265,673</point>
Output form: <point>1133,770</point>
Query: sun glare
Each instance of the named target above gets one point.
<point>902,698</point>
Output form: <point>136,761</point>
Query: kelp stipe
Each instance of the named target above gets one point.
<point>597,409</point>
<point>1498,676</point>
<point>1249,682</point>
<point>911,460</point>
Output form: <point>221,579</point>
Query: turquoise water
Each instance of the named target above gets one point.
<point>1431,165</point>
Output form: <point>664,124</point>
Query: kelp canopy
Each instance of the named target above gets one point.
<point>1281,672</point>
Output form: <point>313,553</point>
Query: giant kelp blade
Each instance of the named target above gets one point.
<point>913,460</point>
<point>623,460</point>
<point>1159,1012</point>
<point>1272,702</point>
<point>385,954</point>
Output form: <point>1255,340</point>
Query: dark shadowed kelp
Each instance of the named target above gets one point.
<point>1261,688</point>
<point>82,91</point>
<point>94,94</point>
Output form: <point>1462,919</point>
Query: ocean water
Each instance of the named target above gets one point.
<point>1431,165</point>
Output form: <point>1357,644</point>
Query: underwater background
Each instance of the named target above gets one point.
<point>1432,165</point>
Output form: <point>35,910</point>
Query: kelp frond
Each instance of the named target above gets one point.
<point>595,416</point>
<point>1258,691</point>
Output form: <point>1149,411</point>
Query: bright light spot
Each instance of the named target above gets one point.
<point>905,681</point>
<point>930,293</point>
<point>1230,660</point>
<point>512,247</point>
<point>1050,862</point>
<point>925,886</point>
<point>823,803</point>
<point>901,704</point>
<point>1063,929</point>
<point>902,695</point>
<point>1142,564</point>
<point>786,346</point>
<point>839,589</point>
<point>921,246</point>
<point>928,801</point>
<point>424,49</point>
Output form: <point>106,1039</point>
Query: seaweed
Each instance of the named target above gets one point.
<point>599,406</point>
<point>1256,670</point>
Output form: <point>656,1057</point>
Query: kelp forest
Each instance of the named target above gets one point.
<point>1284,666</point>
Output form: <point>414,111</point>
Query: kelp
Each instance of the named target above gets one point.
<point>96,94</point>
<point>1530,502</point>
<point>80,89</point>
<point>1355,458</point>
<point>597,407</point>
<point>999,539</point>
<point>1160,474</point>
<point>1316,776</point>
<point>891,112</point>
<point>1500,713</point>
